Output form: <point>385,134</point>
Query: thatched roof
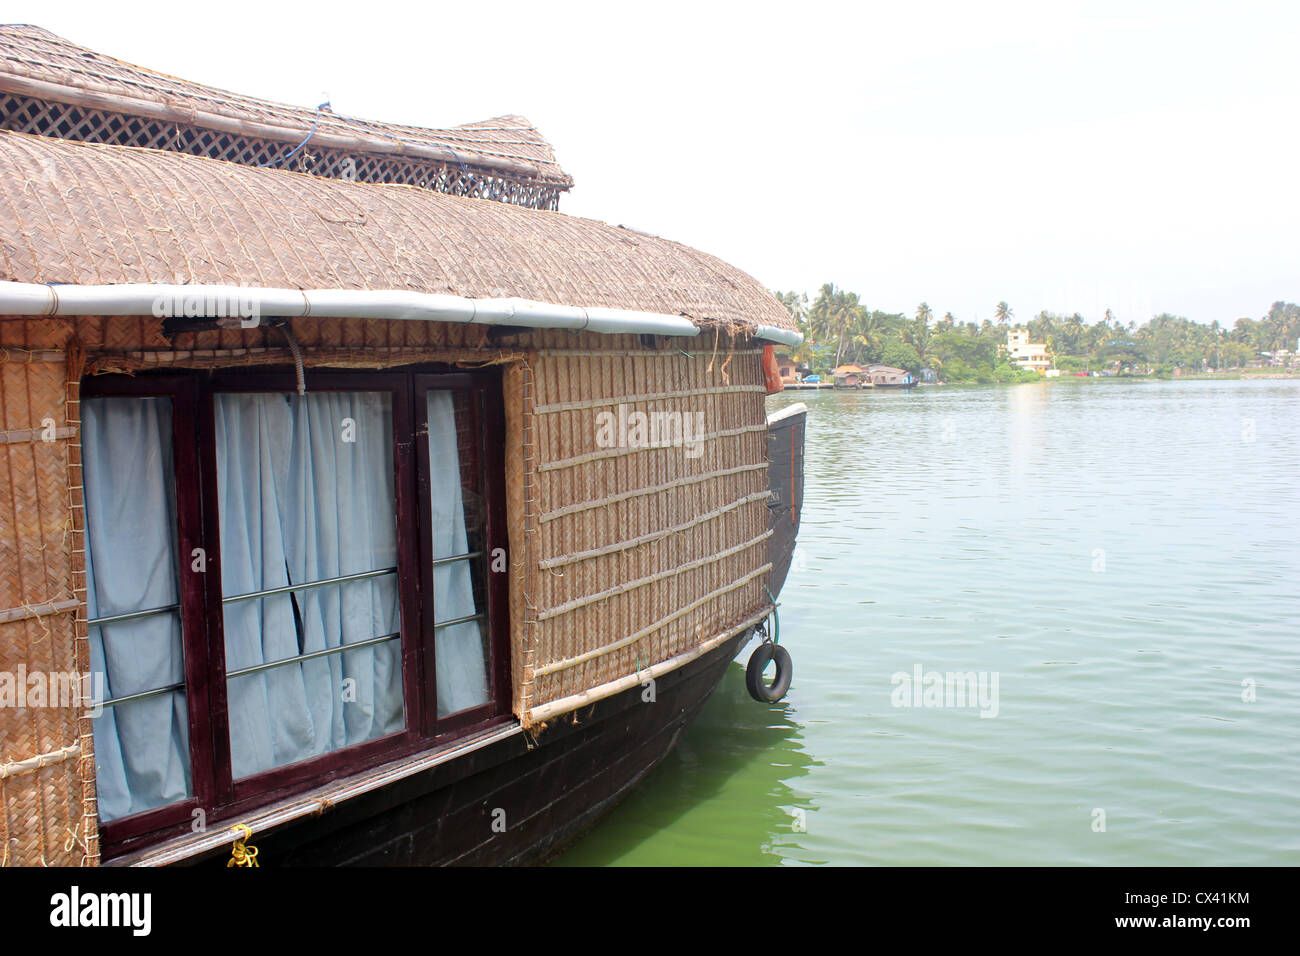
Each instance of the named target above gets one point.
<point>36,63</point>
<point>91,214</point>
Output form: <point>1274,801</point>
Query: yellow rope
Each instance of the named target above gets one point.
<point>241,855</point>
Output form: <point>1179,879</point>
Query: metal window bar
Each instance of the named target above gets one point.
<point>341,579</point>
<point>456,557</point>
<point>256,668</point>
<point>129,698</point>
<point>308,585</point>
<point>468,617</point>
<point>132,615</point>
<point>459,620</point>
<point>270,592</point>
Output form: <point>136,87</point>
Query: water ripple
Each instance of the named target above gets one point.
<point>1116,553</point>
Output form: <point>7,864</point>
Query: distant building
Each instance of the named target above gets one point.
<point>1282,358</point>
<point>849,376</point>
<point>791,371</point>
<point>1027,354</point>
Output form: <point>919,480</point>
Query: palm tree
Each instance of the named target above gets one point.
<point>867,333</point>
<point>797,305</point>
<point>820,321</point>
<point>1003,313</point>
<point>1073,332</point>
<point>1040,326</point>
<point>832,317</point>
<point>918,333</point>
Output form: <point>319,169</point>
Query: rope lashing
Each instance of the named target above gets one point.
<point>241,855</point>
<point>297,357</point>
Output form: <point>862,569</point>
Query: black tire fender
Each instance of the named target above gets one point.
<point>759,689</point>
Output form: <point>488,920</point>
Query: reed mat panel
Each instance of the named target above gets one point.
<point>47,795</point>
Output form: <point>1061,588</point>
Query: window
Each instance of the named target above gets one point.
<point>306,499</point>
<point>133,604</point>
<point>281,586</point>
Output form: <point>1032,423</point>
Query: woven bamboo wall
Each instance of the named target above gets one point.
<point>47,797</point>
<point>640,553</point>
<point>621,557</point>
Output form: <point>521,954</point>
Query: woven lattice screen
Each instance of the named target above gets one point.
<point>26,114</point>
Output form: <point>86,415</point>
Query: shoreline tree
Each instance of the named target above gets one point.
<point>839,328</point>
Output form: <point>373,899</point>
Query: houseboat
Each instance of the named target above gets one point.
<point>874,375</point>
<point>356,506</point>
<point>887,376</point>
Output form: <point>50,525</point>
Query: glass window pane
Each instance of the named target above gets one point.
<point>305,491</point>
<point>141,746</point>
<point>457,506</point>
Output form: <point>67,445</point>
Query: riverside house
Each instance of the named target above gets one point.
<point>1026,354</point>
<point>791,372</point>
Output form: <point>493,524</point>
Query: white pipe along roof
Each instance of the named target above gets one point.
<point>251,303</point>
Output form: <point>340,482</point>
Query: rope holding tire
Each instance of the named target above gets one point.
<point>761,690</point>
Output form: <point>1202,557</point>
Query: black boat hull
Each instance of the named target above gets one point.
<point>785,445</point>
<point>514,801</point>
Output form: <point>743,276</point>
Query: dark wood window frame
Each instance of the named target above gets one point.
<point>194,449</point>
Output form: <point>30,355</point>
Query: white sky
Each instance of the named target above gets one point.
<point>1067,156</point>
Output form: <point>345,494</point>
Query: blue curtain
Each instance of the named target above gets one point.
<point>141,747</point>
<point>459,649</point>
<point>306,493</point>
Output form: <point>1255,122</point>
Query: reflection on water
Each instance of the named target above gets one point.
<point>1024,424</point>
<point>722,796</point>
<point>1122,555</point>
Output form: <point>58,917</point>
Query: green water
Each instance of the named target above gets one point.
<point>1123,556</point>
